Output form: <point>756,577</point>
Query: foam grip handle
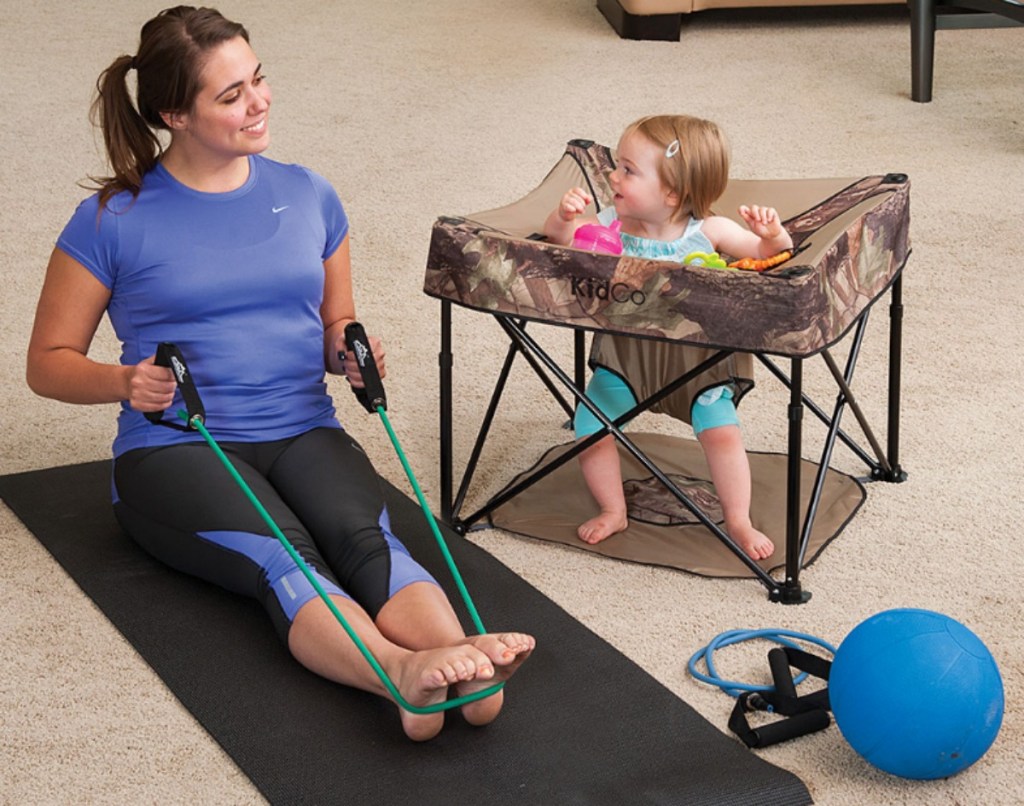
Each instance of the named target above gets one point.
<point>168,355</point>
<point>371,395</point>
<point>782,676</point>
<point>163,359</point>
<point>791,728</point>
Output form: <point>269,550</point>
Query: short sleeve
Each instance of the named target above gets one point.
<point>91,239</point>
<point>333,212</point>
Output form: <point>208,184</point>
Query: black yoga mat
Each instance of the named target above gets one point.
<point>582,723</point>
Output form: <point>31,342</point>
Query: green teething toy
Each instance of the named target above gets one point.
<point>709,259</point>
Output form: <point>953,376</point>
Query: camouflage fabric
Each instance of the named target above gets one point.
<point>648,366</point>
<point>853,240</point>
<point>648,501</point>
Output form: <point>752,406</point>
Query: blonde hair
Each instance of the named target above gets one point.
<point>698,171</point>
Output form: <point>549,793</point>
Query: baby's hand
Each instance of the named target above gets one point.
<point>573,204</point>
<point>763,221</point>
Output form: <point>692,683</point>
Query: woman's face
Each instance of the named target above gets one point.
<point>230,113</point>
<point>639,192</point>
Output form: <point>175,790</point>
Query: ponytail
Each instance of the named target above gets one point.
<point>132,146</point>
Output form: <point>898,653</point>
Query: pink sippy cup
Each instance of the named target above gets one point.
<point>595,238</point>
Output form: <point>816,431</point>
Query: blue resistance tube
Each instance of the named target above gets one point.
<point>732,687</point>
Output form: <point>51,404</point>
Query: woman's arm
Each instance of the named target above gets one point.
<point>338,310</point>
<point>70,307</point>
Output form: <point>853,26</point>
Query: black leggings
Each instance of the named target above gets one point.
<point>181,505</point>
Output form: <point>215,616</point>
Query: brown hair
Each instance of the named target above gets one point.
<point>173,47</point>
<point>698,171</point>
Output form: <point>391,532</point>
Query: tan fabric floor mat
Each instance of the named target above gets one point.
<point>661,531</point>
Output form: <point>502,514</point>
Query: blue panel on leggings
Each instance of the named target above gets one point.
<point>287,581</point>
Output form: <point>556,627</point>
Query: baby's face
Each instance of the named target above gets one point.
<point>639,192</point>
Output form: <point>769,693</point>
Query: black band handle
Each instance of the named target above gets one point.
<point>802,714</point>
<point>791,728</point>
<point>782,676</point>
<point>372,394</point>
<point>810,719</point>
<point>168,355</point>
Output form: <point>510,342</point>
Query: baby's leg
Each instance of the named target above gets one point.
<point>600,462</point>
<point>603,474</point>
<point>730,473</point>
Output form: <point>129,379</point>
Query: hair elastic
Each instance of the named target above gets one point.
<point>134,63</point>
<point>672,150</point>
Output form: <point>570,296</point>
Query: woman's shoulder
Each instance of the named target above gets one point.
<point>275,170</point>
<point>276,167</point>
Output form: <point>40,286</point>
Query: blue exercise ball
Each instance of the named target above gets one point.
<point>916,693</point>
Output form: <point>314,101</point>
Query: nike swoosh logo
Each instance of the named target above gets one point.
<point>278,209</point>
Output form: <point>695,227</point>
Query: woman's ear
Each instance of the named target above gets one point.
<point>174,120</point>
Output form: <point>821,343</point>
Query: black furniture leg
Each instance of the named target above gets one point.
<point>659,27</point>
<point>790,592</point>
<point>922,49</point>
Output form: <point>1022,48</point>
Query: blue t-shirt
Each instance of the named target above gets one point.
<point>235,280</point>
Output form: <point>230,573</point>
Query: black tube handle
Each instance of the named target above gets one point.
<point>790,728</point>
<point>168,355</point>
<point>782,676</point>
<point>371,395</point>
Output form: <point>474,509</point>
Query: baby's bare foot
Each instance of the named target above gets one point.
<point>507,651</point>
<point>756,544</point>
<point>424,680</point>
<point>602,527</point>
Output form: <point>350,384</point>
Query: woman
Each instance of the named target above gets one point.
<point>242,262</point>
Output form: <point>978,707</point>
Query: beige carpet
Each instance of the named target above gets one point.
<point>419,109</point>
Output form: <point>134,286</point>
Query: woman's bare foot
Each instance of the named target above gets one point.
<point>424,679</point>
<point>508,651</point>
<point>756,544</point>
<point>602,527</point>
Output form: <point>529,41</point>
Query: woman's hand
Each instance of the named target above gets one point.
<point>350,366</point>
<point>150,388</point>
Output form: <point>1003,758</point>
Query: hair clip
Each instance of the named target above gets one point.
<point>672,150</point>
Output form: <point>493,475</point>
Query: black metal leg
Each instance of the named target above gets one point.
<point>790,592</point>
<point>818,412</point>
<point>580,358</point>
<point>896,473</point>
<point>444,360</point>
<point>485,428</point>
<point>922,49</point>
